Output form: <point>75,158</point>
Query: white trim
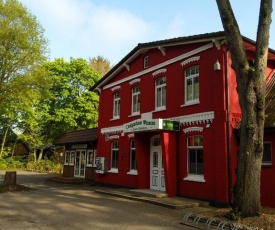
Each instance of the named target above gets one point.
<point>197,118</point>
<point>113,137</point>
<point>132,172</point>
<point>192,59</point>
<point>159,72</point>
<point>116,88</point>
<point>194,102</point>
<point>193,129</point>
<point>113,170</point>
<point>134,81</point>
<point>196,178</point>
<point>148,70</point>
<point>115,129</point>
<point>131,135</point>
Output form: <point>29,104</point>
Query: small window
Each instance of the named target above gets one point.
<point>161,93</point>
<point>135,100</point>
<point>72,156</point>
<point>146,62</point>
<point>267,154</point>
<point>116,106</point>
<point>195,155</point>
<point>91,155</point>
<point>156,142</point>
<point>133,159</point>
<point>114,162</point>
<point>192,85</point>
<point>67,158</point>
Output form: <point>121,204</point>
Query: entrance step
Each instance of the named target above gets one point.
<point>149,193</point>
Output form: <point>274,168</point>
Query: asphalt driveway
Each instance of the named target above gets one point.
<point>50,205</point>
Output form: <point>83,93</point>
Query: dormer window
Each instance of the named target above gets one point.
<point>146,62</point>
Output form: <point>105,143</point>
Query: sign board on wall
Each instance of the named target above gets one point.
<point>151,124</point>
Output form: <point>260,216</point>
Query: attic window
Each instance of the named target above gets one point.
<point>145,62</point>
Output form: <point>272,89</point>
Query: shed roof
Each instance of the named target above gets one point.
<point>80,136</point>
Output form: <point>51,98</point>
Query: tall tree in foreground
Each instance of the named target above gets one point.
<point>22,48</point>
<point>251,91</point>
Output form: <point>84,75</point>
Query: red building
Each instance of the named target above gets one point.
<point>167,115</point>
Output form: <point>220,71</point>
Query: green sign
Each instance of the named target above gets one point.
<point>170,125</point>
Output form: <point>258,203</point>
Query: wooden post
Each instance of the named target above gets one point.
<point>10,179</point>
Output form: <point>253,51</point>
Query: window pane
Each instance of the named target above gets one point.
<point>155,159</point>
<point>199,161</point>
<point>192,161</point>
<point>267,153</point>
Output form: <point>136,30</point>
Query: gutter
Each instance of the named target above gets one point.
<point>229,150</point>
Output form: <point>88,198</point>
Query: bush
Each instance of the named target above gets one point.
<point>19,162</point>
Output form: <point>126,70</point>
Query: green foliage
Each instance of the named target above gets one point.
<point>100,64</point>
<point>45,165</point>
<point>16,162</point>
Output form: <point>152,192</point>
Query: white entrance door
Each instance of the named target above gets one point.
<point>157,178</point>
<point>80,162</point>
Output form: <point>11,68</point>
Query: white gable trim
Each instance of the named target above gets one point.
<point>161,65</point>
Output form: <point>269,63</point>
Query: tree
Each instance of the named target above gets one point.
<point>251,91</point>
<point>22,48</point>
<point>71,105</point>
<point>100,64</point>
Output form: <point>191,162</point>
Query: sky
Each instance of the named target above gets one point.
<point>112,28</point>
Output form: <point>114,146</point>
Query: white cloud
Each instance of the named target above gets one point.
<point>83,27</point>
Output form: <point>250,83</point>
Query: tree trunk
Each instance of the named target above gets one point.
<point>247,190</point>
<point>251,90</point>
<point>10,179</point>
<point>4,141</point>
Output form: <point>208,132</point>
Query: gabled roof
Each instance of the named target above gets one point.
<point>142,47</point>
<point>80,136</point>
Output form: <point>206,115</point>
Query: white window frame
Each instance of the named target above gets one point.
<point>116,105</point>
<point>114,150</point>
<point>67,158</point>
<point>136,100</point>
<point>268,163</point>
<point>133,171</point>
<point>193,176</point>
<point>192,77</point>
<point>89,153</point>
<point>160,93</point>
<point>146,62</point>
<point>72,157</point>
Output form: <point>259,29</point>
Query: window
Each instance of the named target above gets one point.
<point>116,107</point>
<point>72,155</point>
<point>267,155</point>
<point>192,85</point>
<point>135,100</point>
<point>91,154</point>
<point>195,159</point>
<point>145,62</point>
<point>195,155</point>
<point>133,160</point>
<point>114,162</point>
<point>161,93</point>
<point>67,158</point>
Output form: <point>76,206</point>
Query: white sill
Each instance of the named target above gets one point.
<point>266,164</point>
<point>132,172</point>
<point>113,170</point>
<point>71,164</point>
<point>190,103</point>
<point>134,115</point>
<point>159,109</point>
<point>195,178</point>
<point>89,165</point>
<point>115,118</point>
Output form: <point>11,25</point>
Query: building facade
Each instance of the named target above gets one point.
<point>79,149</point>
<point>167,115</point>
